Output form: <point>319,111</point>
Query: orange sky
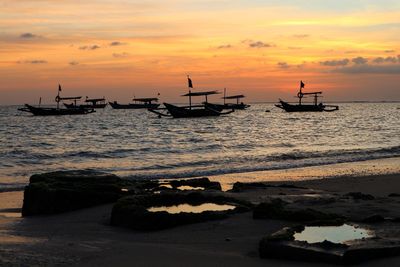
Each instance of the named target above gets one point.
<point>119,49</point>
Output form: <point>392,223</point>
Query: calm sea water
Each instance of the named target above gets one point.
<point>135,143</point>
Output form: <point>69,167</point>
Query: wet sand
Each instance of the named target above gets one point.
<point>84,238</point>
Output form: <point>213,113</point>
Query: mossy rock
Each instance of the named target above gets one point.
<point>241,187</point>
<point>63,191</point>
<point>132,211</point>
<point>278,209</point>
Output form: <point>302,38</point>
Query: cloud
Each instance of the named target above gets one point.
<point>334,63</point>
<point>257,44</point>
<point>34,61</point>
<point>301,35</point>
<point>117,43</point>
<point>28,35</point>
<point>73,63</point>
<point>283,65</point>
<point>379,60</point>
<point>224,46</point>
<point>351,52</point>
<point>89,47</point>
<point>369,69</point>
<point>120,55</point>
<point>360,60</point>
<point>389,51</point>
<point>295,47</point>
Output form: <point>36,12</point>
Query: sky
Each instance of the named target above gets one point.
<point>349,49</point>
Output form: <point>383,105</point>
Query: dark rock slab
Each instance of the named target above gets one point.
<point>63,191</point>
<point>278,209</point>
<point>241,187</point>
<point>132,211</point>
<point>376,218</point>
<point>360,196</point>
<point>281,245</point>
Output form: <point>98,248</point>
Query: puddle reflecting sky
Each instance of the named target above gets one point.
<point>335,234</point>
<point>187,208</point>
<point>188,187</point>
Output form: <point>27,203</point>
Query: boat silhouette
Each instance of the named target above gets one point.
<point>44,111</point>
<point>191,111</point>
<point>300,107</point>
<point>139,103</point>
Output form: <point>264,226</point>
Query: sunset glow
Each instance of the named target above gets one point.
<point>117,49</point>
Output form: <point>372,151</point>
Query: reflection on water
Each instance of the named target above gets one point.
<point>335,234</point>
<point>187,187</point>
<point>187,208</point>
<point>11,214</point>
<point>166,186</point>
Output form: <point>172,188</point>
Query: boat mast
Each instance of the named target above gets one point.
<point>190,85</point>
<point>58,96</point>
<point>300,93</point>
<point>224,96</point>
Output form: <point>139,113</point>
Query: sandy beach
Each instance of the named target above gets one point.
<point>85,238</point>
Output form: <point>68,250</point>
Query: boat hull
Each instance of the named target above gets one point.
<point>97,106</point>
<point>36,111</point>
<point>115,105</point>
<point>300,108</point>
<point>184,112</point>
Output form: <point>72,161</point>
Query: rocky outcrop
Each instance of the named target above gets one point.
<point>132,211</point>
<point>279,210</point>
<point>241,187</point>
<point>281,245</point>
<point>62,191</point>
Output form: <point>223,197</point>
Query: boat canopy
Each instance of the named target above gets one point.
<point>233,97</point>
<point>149,99</point>
<point>70,98</point>
<point>202,93</point>
<point>94,99</point>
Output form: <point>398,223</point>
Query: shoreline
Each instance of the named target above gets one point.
<point>335,170</point>
<point>387,166</point>
<point>85,238</point>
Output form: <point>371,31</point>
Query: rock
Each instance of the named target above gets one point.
<point>394,195</point>
<point>274,209</point>
<point>62,191</point>
<point>281,245</point>
<point>298,251</point>
<point>357,255</point>
<point>360,196</point>
<point>277,209</point>
<point>240,187</point>
<point>132,211</point>
<point>374,219</point>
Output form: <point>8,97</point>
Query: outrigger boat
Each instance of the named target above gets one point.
<point>236,105</point>
<point>91,103</point>
<point>204,110</point>
<point>139,103</point>
<point>40,111</point>
<point>300,107</point>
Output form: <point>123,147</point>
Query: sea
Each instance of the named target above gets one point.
<point>136,144</point>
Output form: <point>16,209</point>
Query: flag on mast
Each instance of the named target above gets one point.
<point>190,84</point>
<point>59,87</point>
<point>301,84</point>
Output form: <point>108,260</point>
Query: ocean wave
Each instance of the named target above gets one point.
<point>261,163</point>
